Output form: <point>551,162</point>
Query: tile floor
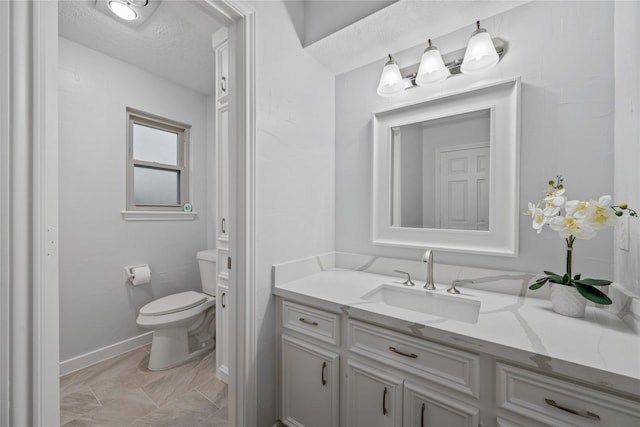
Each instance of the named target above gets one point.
<point>122,391</point>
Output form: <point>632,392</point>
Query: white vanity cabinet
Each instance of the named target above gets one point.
<point>222,70</point>
<point>222,332</point>
<point>374,397</point>
<point>310,391</point>
<point>309,381</point>
<point>544,400</point>
<point>407,381</point>
<point>223,265</point>
<point>359,374</point>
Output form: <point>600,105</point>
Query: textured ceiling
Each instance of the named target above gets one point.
<point>400,26</point>
<point>174,43</point>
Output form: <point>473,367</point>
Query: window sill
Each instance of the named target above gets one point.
<point>158,216</point>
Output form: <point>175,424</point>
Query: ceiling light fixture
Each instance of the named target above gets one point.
<point>123,10</point>
<point>481,53</point>
<point>391,82</point>
<point>432,68</point>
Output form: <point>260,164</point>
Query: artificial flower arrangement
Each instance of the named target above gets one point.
<point>580,220</point>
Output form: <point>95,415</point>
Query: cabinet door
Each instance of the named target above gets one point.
<point>222,332</point>
<point>374,398</point>
<point>222,59</point>
<point>310,388</point>
<point>428,408</point>
<point>222,144</point>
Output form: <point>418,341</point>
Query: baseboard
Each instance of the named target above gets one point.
<point>104,353</point>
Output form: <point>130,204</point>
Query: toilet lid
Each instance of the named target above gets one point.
<point>173,303</point>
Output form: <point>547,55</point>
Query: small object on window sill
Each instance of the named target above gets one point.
<point>159,216</point>
<point>187,207</point>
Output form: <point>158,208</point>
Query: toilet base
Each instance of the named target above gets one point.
<point>176,345</point>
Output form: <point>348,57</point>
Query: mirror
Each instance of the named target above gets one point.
<point>440,172</point>
<point>445,172</point>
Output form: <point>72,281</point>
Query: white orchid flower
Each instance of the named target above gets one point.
<point>539,218</point>
<point>553,205</point>
<point>599,214</point>
<point>531,211</point>
<point>570,226</point>
<point>576,208</point>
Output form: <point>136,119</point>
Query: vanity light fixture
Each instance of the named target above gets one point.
<point>391,82</point>
<point>123,10</point>
<point>481,54</point>
<point>432,68</point>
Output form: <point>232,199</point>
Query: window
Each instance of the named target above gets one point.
<point>158,163</point>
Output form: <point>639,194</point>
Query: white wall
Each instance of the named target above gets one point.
<point>295,171</point>
<point>96,308</point>
<point>627,136</point>
<point>563,51</point>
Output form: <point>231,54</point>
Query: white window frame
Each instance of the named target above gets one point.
<point>183,131</point>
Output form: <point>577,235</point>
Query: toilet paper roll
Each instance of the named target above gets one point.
<point>141,275</point>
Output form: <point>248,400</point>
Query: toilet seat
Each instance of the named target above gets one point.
<point>173,303</point>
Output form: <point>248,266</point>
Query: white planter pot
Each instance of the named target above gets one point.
<point>566,300</point>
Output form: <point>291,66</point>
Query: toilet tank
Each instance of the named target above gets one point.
<point>207,263</point>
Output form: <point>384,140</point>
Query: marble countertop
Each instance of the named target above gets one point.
<point>599,349</point>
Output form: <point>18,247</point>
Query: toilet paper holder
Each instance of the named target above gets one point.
<point>129,274</point>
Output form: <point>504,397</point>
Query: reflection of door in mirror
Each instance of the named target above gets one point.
<point>440,172</point>
<point>462,185</point>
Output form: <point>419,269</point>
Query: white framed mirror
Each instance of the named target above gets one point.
<point>445,172</point>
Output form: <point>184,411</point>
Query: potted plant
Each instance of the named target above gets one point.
<point>574,219</point>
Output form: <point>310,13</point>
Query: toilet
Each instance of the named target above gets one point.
<point>183,324</point>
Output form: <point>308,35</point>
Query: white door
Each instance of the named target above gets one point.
<point>462,187</point>
<point>310,385</point>
<point>428,408</point>
<point>374,398</point>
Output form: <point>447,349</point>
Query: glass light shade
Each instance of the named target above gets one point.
<point>432,68</point>
<point>123,10</point>
<point>481,53</point>
<point>391,82</point>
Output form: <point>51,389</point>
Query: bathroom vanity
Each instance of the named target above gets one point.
<point>357,347</point>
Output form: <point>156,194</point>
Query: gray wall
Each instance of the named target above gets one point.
<point>563,52</point>
<point>97,309</point>
<point>627,136</point>
<point>294,172</point>
<point>411,170</point>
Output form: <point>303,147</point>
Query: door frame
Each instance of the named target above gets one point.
<point>29,328</point>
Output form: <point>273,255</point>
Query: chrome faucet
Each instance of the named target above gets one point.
<point>407,282</point>
<point>428,258</point>
<point>453,289</point>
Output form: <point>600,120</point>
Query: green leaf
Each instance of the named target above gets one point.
<point>565,278</point>
<point>539,283</point>
<point>553,277</point>
<point>577,277</point>
<point>593,294</point>
<point>593,282</point>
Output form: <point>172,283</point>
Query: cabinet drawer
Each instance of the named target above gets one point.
<point>438,363</point>
<point>560,403</point>
<point>315,323</point>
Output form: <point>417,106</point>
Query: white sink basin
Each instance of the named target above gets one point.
<point>455,307</point>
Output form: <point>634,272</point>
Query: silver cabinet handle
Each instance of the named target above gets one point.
<point>422,415</point>
<point>324,380</point>
<point>384,402</point>
<point>412,355</point>
<point>223,225</point>
<point>223,84</point>
<point>224,303</point>
<point>587,414</point>
<point>308,322</point>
